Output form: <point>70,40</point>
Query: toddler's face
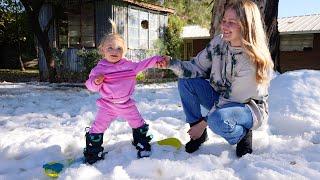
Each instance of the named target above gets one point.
<point>113,51</point>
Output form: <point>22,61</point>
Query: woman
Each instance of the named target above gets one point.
<point>238,67</point>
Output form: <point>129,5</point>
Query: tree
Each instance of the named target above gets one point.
<point>14,33</point>
<point>18,31</point>
<point>188,11</point>
<point>32,9</point>
<point>269,13</point>
<point>173,41</point>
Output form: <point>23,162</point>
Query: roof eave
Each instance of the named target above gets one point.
<point>151,6</point>
<point>300,32</point>
<point>202,37</point>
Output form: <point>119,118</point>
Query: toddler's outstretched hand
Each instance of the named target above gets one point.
<point>99,79</point>
<point>164,63</point>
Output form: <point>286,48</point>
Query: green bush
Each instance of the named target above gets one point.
<point>58,57</point>
<point>171,42</point>
<point>90,59</point>
<point>141,76</point>
<point>72,77</point>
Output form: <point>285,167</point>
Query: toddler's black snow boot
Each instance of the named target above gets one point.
<point>93,151</point>
<point>141,141</point>
<point>244,146</point>
<point>194,145</point>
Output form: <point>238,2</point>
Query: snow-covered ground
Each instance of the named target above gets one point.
<point>41,123</point>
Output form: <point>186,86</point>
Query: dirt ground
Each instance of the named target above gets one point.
<point>16,75</point>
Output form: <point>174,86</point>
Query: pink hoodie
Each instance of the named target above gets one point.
<point>120,78</point>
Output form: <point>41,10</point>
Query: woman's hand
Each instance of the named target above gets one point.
<point>98,80</point>
<point>164,63</point>
<point>197,130</point>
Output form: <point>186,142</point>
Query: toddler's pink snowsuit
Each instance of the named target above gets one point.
<point>116,91</point>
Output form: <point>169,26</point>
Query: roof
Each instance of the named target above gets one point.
<point>150,6</point>
<point>286,25</point>
<point>194,32</point>
<point>299,24</point>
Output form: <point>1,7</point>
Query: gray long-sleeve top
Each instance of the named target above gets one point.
<point>231,73</point>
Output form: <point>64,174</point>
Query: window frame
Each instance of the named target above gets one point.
<point>150,44</point>
<point>67,12</point>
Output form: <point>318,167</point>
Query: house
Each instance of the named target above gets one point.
<point>195,38</point>
<point>299,42</point>
<point>82,24</point>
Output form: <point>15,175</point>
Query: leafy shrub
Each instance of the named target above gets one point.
<point>90,59</point>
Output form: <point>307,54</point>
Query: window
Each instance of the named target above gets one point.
<point>143,29</point>
<point>296,42</point>
<point>143,16</point>
<point>188,49</point>
<point>154,30</point>
<point>133,28</point>
<point>163,19</point>
<point>145,24</point>
<point>76,26</point>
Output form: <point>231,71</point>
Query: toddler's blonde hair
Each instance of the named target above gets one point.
<point>110,37</point>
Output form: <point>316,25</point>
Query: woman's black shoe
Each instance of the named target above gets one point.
<point>194,145</point>
<point>244,146</point>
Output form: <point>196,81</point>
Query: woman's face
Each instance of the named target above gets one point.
<point>113,51</point>
<point>230,27</point>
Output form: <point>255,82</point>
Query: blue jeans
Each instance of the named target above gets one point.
<point>230,121</point>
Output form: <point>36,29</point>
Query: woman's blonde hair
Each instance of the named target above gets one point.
<point>253,37</point>
<point>110,37</point>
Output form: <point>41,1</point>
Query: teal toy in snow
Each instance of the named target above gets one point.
<point>54,168</point>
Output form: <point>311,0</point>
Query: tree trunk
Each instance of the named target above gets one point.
<point>269,13</point>
<point>19,40</point>
<point>271,24</point>
<point>33,10</point>
<point>20,57</point>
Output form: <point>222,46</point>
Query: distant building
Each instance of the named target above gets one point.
<point>299,42</point>
<point>83,23</point>
<point>195,38</point>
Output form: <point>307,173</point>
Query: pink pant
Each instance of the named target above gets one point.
<point>111,111</point>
